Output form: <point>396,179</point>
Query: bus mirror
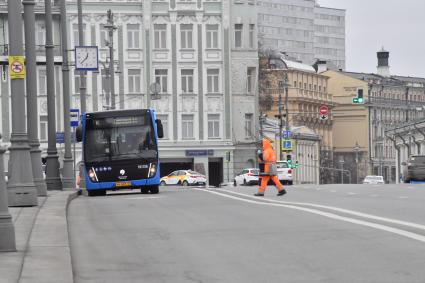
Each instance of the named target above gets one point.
<point>79,134</point>
<point>159,128</point>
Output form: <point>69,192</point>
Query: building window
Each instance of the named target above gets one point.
<point>251,35</point>
<point>187,80</point>
<point>43,128</point>
<point>212,36</point>
<point>42,81</point>
<point>164,121</point>
<point>187,126</point>
<point>186,36</point>
<point>249,117</point>
<point>161,77</point>
<point>134,80</point>
<point>133,35</point>
<point>105,80</point>
<point>160,36</point>
<point>238,35</point>
<point>250,80</point>
<point>103,36</point>
<point>213,126</point>
<point>76,82</point>
<point>212,80</point>
<point>40,38</point>
<point>76,33</point>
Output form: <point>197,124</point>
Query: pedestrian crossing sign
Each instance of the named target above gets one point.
<point>287,145</point>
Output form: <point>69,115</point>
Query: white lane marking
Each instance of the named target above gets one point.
<point>333,191</point>
<point>356,213</point>
<point>400,232</point>
<point>140,198</point>
<point>352,194</point>
<point>374,196</point>
<point>318,189</point>
<point>402,197</point>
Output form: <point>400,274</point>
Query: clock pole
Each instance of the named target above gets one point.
<point>53,180</point>
<point>68,172</point>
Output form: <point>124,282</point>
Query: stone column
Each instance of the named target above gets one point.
<point>21,187</point>
<point>31,84</point>
<point>7,230</point>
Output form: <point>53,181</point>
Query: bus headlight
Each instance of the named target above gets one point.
<point>92,175</point>
<point>152,170</point>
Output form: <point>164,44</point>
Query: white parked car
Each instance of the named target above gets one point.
<point>284,173</point>
<point>184,178</point>
<point>248,176</point>
<point>374,180</point>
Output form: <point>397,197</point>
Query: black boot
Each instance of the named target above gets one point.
<point>282,192</point>
<point>259,195</point>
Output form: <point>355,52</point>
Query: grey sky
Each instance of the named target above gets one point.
<point>398,25</point>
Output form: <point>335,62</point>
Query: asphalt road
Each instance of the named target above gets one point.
<point>335,233</point>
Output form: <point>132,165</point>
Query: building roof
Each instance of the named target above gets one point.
<point>292,65</point>
<point>392,80</point>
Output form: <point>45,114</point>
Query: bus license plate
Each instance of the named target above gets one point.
<point>122,184</point>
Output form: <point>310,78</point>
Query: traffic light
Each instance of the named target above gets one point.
<point>359,99</point>
<point>289,160</point>
<point>296,165</point>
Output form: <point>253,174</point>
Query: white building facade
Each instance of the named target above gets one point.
<point>202,53</point>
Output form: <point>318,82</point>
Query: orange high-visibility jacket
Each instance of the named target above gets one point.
<point>269,155</point>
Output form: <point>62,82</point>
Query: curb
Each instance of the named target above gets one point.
<point>48,256</point>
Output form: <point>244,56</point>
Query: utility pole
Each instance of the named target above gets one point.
<point>31,88</point>
<point>83,86</point>
<point>286,101</point>
<point>7,230</point>
<point>280,125</point>
<point>68,171</point>
<point>110,26</point>
<point>356,150</point>
<point>21,187</point>
<point>53,180</point>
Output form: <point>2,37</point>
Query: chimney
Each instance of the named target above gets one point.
<point>383,67</point>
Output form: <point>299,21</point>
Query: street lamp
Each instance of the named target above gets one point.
<point>356,150</point>
<point>283,85</point>
<point>107,84</point>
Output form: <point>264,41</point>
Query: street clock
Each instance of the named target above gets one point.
<point>86,58</point>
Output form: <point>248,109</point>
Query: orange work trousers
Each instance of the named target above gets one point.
<point>265,180</point>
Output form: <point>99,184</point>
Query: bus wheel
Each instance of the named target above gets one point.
<point>144,190</point>
<point>154,189</point>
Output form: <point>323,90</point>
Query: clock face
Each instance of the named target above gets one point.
<point>86,58</point>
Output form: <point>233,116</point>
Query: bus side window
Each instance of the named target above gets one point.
<point>159,128</point>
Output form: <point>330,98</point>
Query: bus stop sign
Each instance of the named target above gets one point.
<point>74,116</point>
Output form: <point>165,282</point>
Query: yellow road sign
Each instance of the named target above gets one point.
<point>17,67</point>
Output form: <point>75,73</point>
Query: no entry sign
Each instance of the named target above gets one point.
<point>324,110</point>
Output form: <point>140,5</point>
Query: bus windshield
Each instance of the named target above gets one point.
<point>118,138</point>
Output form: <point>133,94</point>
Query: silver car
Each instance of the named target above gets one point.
<point>374,180</point>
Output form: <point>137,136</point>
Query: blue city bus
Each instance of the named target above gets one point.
<point>120,150</point>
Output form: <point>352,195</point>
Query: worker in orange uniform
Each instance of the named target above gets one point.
<point>268,171</point>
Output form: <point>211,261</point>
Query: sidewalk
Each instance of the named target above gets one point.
<point>43,253</point>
